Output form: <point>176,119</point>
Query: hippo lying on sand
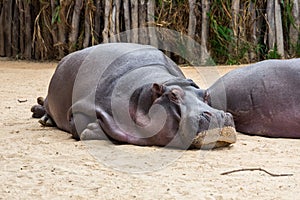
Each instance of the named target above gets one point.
<point>131,93</point>
<point>264,98</point>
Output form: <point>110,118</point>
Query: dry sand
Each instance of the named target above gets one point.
<point>45,163</point>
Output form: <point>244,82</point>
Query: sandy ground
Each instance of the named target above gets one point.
<point>45,163</point>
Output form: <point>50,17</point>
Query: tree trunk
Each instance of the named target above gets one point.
<point>62,32</point>
<point>134,21</point>
<point>87,24</point>
<point>261,30</point>
<point>192,19</point>
<point>235,26</point>
<point>151,23</point>
<point>112,22</point>
<point>47,32</point>
<point>7,27</point>
<point>143,33</point>
<point>117,20</point>
<point>126,7</point>
<point>108,5</point>
<point>37,42</point>
<point>253,31</point>
<point>15,31</point>
<point>295,28</point>
<point>278,28</point>
<point>2,39</point>
<point>22,28</point>
<point>235,16</point>
<point>191,31</point>
<point>75,25</point>
<point>98,21</point>
<point>271,24</point>
<point>28,30</point>
<point>54,30</point>
<point>204,32</point>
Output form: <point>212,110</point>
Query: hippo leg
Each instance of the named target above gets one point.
<point>38,111</point>
<point>46,120</point>
<point>93,131</point>
<point>85,127</point>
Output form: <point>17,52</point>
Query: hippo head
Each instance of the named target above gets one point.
<point>189,121</point>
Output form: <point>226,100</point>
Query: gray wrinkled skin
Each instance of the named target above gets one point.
<point>264,98</point>
<point>129,93</point>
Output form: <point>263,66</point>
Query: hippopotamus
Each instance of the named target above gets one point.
<point>264,98</point>
<point>131,93</point>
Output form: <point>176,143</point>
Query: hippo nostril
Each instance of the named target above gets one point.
<point>229,115</point>
<point>229,120</point>
<point>207,115</point>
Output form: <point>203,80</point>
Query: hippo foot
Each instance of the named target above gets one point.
<point>40,101</point>
<point>46,121</point>
<point>215,138</point>
<point>38,111</point>
<point>93,131</point>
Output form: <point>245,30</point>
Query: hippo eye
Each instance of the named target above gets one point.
<point>200,93</point>
<point>175,96</point>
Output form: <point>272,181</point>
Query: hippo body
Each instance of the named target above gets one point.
<point>130,93</point>
<point>264,98</point>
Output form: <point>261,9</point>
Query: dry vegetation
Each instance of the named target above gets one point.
<point>232,32</point>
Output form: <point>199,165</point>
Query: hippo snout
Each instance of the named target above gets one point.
<point>211,120</point>
<point>216,129</point>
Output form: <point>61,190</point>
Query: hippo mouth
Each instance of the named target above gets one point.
<point>215,138</point>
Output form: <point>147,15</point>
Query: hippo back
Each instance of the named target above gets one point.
<point>264,98</point>
<point>90,76</point>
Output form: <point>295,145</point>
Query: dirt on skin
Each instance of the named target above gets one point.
<point>45,163</point>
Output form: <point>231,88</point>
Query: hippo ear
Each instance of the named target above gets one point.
<point>206,97</point>
<point>157,89</point>
<point>173,97</point>
<point>192,83</point>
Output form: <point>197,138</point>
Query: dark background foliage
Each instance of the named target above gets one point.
<point>231,31</point>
